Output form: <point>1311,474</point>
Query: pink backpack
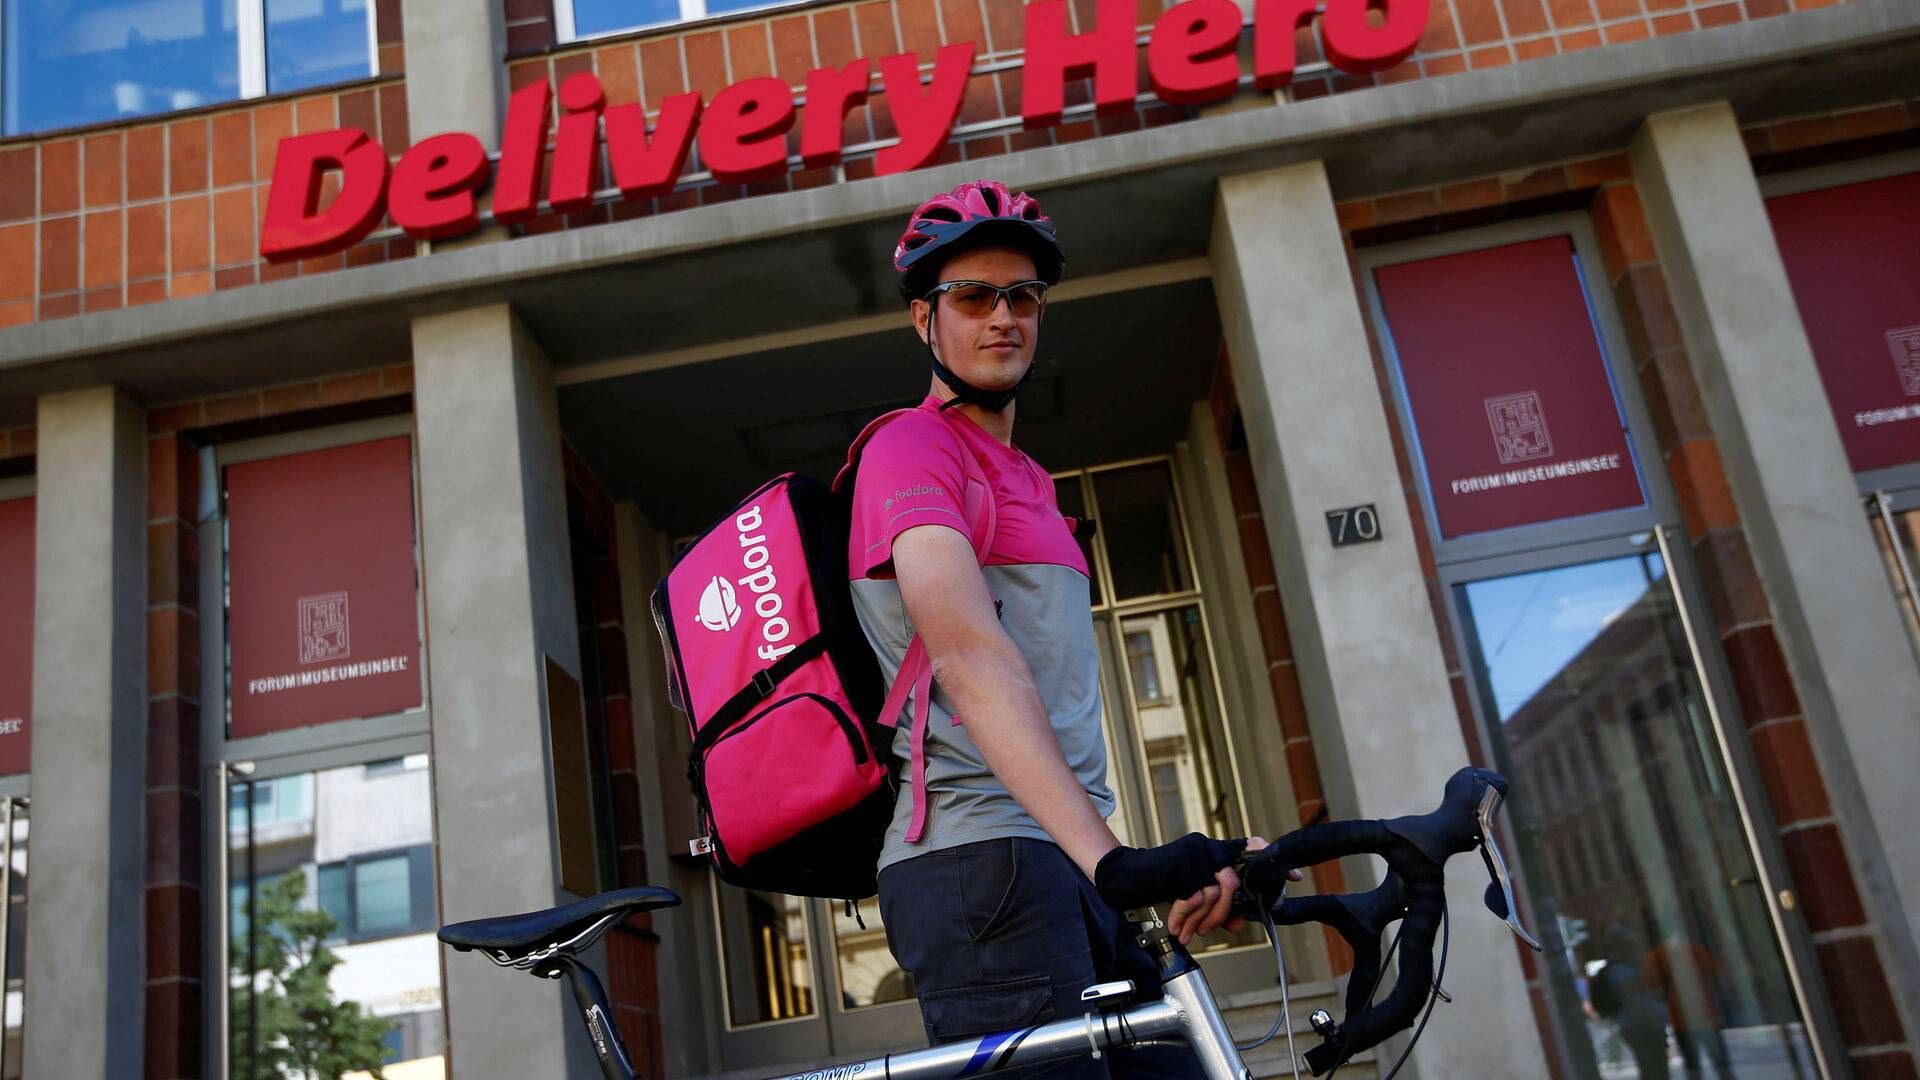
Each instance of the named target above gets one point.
<point>792,736</point>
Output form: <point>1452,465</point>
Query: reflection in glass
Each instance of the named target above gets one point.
<point>1660,957</point>
<point>868,974</point>
<point>1906,529</point>
<point>12,1049</point>
<point>1141,532</point>
<point>605,16</point>
<point>763,939</point>
<point>331,960</point>
<point>1180,732</point>
<point>316,42</point>
<point>71,63</point>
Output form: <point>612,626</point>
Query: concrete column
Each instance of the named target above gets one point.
<point>1370,665</point>
<point>457,51</point>
<point>1791,483</point>
<point>86,948</point>
<point>499,599</point>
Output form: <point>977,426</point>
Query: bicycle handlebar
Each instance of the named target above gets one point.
<point>1416,849</point>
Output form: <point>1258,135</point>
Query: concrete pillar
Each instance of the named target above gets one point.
<point>86,948</point>
<point>459,48</point>
<point>499,600</point>
<point>1791,483</point>
<point>1370,665</point>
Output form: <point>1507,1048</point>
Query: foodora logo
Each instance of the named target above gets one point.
<point>760,580</point>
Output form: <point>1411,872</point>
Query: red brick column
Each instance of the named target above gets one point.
<point>632,974</point>
<point>175,823</point>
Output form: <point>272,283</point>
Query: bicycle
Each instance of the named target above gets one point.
<point>1415,848</point>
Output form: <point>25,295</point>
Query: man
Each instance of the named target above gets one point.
<point>1001,898</point>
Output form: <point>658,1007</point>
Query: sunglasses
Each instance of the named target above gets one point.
<point>977,299</point>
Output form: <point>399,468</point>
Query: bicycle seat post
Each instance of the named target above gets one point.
<point>597,1014</point>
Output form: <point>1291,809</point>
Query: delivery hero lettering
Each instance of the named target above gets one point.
<point>431,192</point>
<point>759,561</point>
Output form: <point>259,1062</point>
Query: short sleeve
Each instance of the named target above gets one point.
<point>911,473</point>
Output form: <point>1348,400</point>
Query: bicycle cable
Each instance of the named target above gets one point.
<point>1433,996</point>
<point>1286,1008</point>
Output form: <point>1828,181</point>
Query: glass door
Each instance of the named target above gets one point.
<point>1661,956</point>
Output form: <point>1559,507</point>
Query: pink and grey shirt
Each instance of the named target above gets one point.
<point>912,474</point>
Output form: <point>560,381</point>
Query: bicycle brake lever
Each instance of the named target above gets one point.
<point>1499,894</point>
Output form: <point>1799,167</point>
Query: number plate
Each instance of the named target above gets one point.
<point>1353,525</point>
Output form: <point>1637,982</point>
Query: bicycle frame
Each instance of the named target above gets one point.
<point>1186,1011</point>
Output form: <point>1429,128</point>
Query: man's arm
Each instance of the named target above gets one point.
<point>992,690</point>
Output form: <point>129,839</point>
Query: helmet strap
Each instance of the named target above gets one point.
<point>964,392</point>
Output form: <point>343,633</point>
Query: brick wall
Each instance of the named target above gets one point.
<point>167,208</point>
<point>632,946</point>
<point>1844,939</point>
<point>123,215</point>
<point>175,822</point>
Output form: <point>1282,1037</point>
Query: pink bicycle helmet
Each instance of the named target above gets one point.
<point>975,213</point>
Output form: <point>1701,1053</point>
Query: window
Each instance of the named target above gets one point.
<point>1140,663</point>
<point>328,861</point>
<point>70,63</point>
<point>589,18</point>
<point>374,896</point>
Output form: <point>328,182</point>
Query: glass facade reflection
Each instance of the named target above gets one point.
<point>316,42</point>
<point>67,64</point>
<point>764,949</point>
<point>1660,958</point>
<point>332,965</point>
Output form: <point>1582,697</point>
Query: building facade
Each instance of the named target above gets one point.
<point>1528,383</point>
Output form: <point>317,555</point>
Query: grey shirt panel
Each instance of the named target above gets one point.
<point>1044,611</point>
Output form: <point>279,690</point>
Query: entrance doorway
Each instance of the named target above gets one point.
<point>1647,866</point>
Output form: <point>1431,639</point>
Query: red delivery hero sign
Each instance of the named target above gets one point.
<point>1857,284</point>
<point>16,634</point>
<point>1516,417</point>
<point>323,614</point>
<point>1192,57</point>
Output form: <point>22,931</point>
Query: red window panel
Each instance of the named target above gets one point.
<point>1514,411</point>
<point>16,635</point>
<point>323,618</point>
<point>1853,257</point>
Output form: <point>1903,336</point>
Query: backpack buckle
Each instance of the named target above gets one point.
<point>763,681</point>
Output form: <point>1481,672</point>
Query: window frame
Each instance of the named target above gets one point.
<point>352,934</point>
<point>692,13</point>
<point>1899,483</point>
<point>250,68</point>
<point>1616,354</point>
<point>226,761</point>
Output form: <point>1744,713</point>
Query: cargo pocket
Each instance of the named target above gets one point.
<point>968,1011</point>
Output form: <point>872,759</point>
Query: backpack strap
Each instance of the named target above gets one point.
<point>915,676</point>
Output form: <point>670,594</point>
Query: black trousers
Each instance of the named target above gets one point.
<point>1004,934</point>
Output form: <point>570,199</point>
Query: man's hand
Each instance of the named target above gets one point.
<point>1212,907</point>
<point>1131,877</point>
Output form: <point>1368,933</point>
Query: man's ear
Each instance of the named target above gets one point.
<point>921,311</point>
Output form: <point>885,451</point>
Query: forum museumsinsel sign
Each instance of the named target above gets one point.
<point>431,192</point>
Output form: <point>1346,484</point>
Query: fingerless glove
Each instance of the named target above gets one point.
<point>1134,877</point>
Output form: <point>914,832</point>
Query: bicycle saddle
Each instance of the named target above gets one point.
<point>537,937</point>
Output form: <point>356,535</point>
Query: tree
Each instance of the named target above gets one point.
<point>292,1026</point>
